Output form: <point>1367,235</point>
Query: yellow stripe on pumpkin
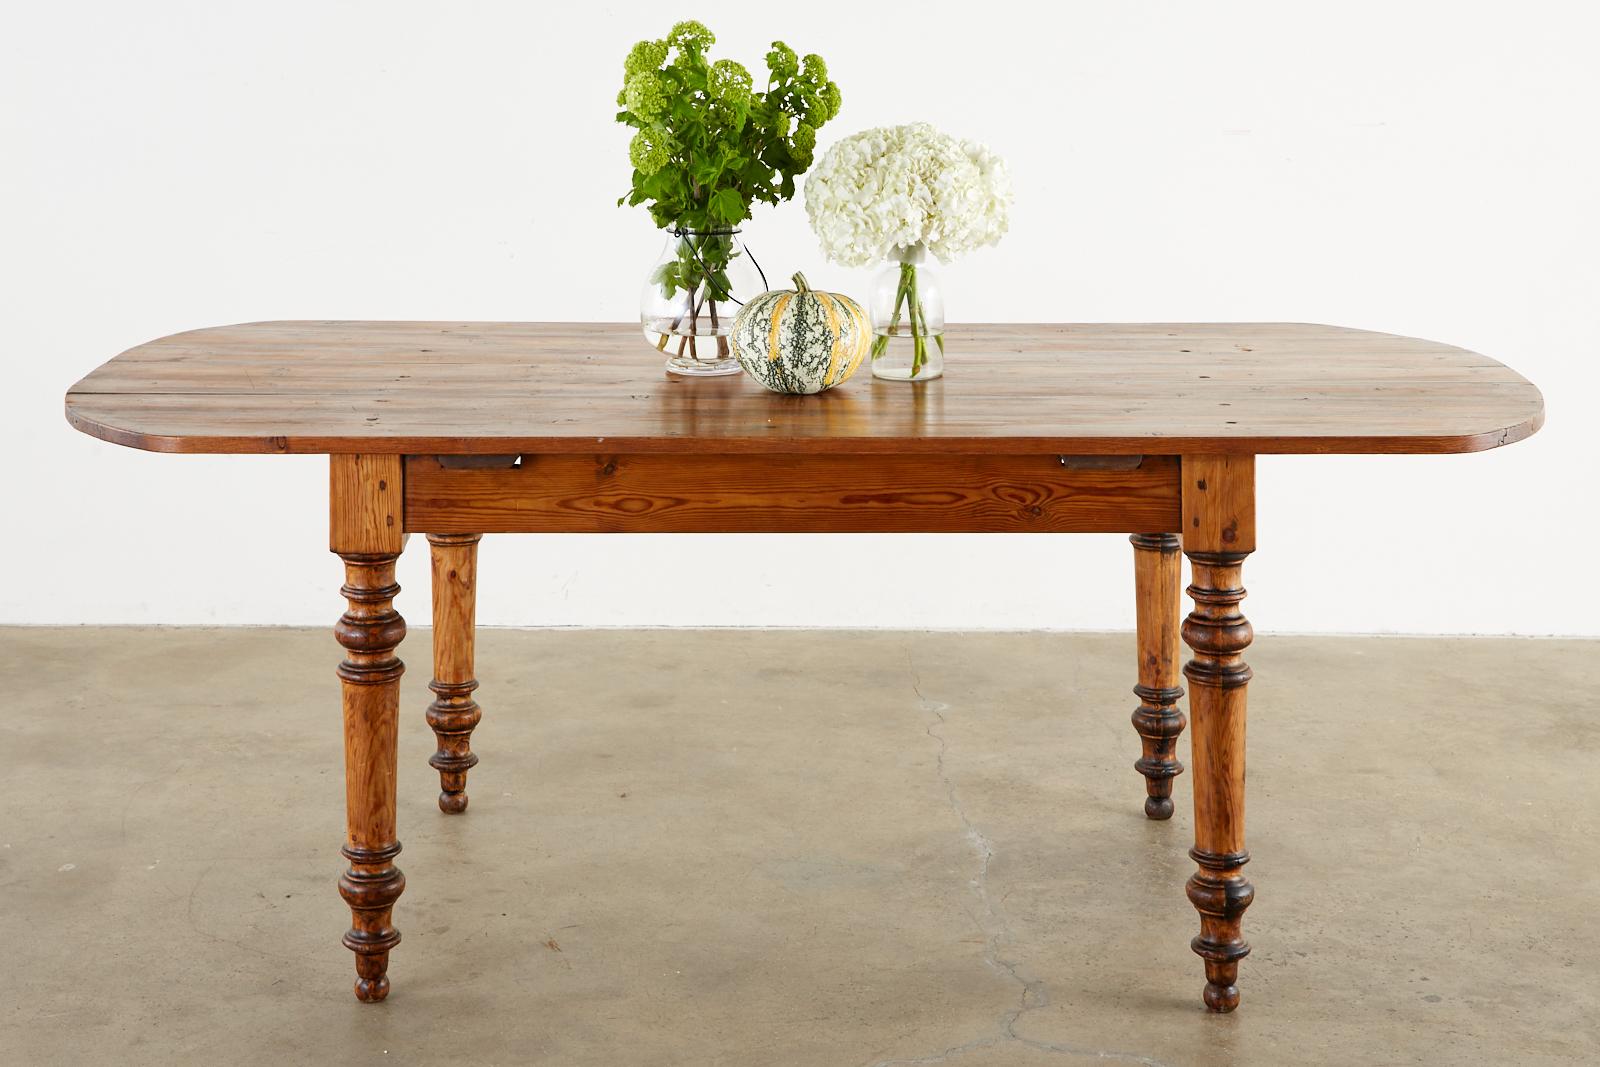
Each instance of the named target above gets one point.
<point>859,336</point>
<point>777,319</point>
<point>833,328</point>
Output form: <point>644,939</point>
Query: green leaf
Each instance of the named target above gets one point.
<point>725,155</point>
<point>727,206</point>
<point>706,171</point>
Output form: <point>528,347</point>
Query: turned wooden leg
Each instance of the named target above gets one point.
<point>454,713</point>
<point>370,632</point>
<point>366,535</point>
<point>1219,532</point>
<point>1157,718</point>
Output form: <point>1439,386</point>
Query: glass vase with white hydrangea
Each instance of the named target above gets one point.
<point>897,195</point>
<point>709,145</point>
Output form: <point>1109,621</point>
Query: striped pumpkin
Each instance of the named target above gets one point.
<point>800,340</point>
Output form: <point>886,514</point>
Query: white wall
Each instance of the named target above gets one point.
<point>1422,168</point>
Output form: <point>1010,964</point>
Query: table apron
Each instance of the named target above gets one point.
<point>827,493</point>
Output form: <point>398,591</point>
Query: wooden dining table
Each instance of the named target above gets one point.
<point>457,429</point>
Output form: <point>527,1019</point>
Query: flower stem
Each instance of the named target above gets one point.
<point>716,328</point>
<point>880,344</point>
<point>919,322</point>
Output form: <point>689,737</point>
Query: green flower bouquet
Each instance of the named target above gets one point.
<point>708,146</point>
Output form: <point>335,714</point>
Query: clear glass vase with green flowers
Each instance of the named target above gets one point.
<point>708,146</point>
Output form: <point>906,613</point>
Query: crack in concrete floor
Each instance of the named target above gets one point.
<point>993,925</point>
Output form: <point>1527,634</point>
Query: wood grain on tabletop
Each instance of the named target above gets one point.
<point>420,387</point>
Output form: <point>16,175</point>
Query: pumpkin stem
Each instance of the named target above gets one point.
<point>800,283</point>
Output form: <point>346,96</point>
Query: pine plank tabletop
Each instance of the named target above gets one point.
<point>488,388</point>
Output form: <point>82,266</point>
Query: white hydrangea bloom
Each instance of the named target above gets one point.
<point>883,191</point>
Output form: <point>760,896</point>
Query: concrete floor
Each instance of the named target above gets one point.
<point>813,848</point>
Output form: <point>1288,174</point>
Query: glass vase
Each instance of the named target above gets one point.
<point>689,300</point>
<point>907,311</point>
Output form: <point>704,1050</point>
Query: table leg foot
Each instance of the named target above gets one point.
<point>454,713</point>
<point>1157,719</point>
<point>372,990</point>
<point>1220,894</point>
<point>371,886</point>
<point>370,631</point>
